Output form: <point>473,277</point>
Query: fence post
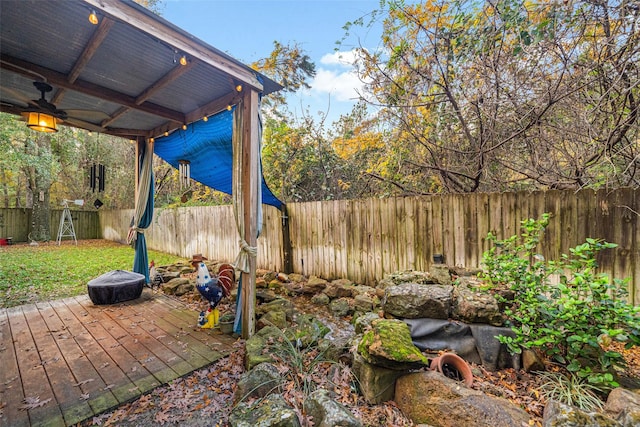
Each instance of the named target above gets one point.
<point>286,240</point>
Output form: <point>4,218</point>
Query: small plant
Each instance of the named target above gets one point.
<point>227,317</point>
<point>571,390</point>
<point>572,320</point>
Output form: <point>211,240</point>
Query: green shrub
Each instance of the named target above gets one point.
<point>570,320</point>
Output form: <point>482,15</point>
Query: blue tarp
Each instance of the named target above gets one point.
<point>209,149</point>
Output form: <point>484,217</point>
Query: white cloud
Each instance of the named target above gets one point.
<point>342,86</point>
<point>344,59</point>
<point>337,77</point>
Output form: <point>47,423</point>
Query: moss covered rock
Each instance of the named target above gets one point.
<point>388,344</point>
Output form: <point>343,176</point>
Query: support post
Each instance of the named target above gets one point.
<point>286,241</point>
<point>250,164</point>
<point>139,146</point>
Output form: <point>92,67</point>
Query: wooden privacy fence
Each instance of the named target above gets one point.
<point>209,230</point>
<point>365,239</point>
<point>14,223</point>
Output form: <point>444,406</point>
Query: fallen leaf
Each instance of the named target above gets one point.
<point>33,402</point>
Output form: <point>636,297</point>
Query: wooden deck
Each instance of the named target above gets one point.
<point>72,359</point>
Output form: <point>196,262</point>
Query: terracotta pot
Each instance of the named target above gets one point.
<point>453,366</point>
<point>226,327</point>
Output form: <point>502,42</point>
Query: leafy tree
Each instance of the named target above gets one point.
<point>154,6</point>
<point>507,94</point>
<point>39,170</point>
<point>288,65</point>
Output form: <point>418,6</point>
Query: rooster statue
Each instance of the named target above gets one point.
<point>212,288</point>
<point>155,278</point>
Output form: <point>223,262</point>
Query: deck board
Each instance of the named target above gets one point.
<point>35,383</point>
<point>11,394</point>
<point>90,358</point>
<point>72,403</point>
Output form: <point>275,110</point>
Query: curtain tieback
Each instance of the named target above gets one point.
<point>131,236</point>
<point>251,250</point>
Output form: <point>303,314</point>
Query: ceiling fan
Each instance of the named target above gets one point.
<point>44,105</point>
<point>42,115</point>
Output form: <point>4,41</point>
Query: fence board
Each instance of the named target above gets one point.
<point>435,219</point>
<point>483,226</point>
<point>623,233</point>
<point>409,243</point>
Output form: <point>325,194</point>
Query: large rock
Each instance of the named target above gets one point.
<point>314,285</point>
<point>172,285</point>
<point>307,331</point>
<point>377,384</point>
<point>340,307</point>
<point>388,344</point>
<point>184,289</point>
<point>431,398</point>
<point>257,347</point>
<point>265,295</point>
<point>272,411</point>
<point>259,382</point>
<point>363,290</point>
<point>168,276</point>
<point>362,323</point>
<point>363,303</point>
<point>326,412</point>
<point>295,277</point>
<point>278,304</point>
<point>472,305</point>
<point>413,300</point>
<point>321,299</point>
<point>558,414</point>
<point>624,405</point>
<point>441,274</point>
<point>409,276</point>
<point>339,289</point>
<point>276,318</point>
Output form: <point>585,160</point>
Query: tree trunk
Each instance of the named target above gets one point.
<point>41,213</point>
<point>40,178</point>
<point>5,189</point>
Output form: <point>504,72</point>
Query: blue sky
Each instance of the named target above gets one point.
<point>246,29</point>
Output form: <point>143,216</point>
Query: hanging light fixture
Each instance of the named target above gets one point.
<point>184,169</point>
<point>41,122</point>
<point>183,60</point>
<point>93,17</point>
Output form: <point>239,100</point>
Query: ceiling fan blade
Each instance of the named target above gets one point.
<point>15,94</point>
<point>90,115</point>
<point>84,125</point>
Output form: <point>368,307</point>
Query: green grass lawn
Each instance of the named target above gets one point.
<point>45,272</point>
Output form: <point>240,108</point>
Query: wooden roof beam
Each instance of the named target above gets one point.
<point>163,81</point>
<point>89,50</point>
<point>213,107</point>
<point>148,93</point>
<point>60,79</point>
